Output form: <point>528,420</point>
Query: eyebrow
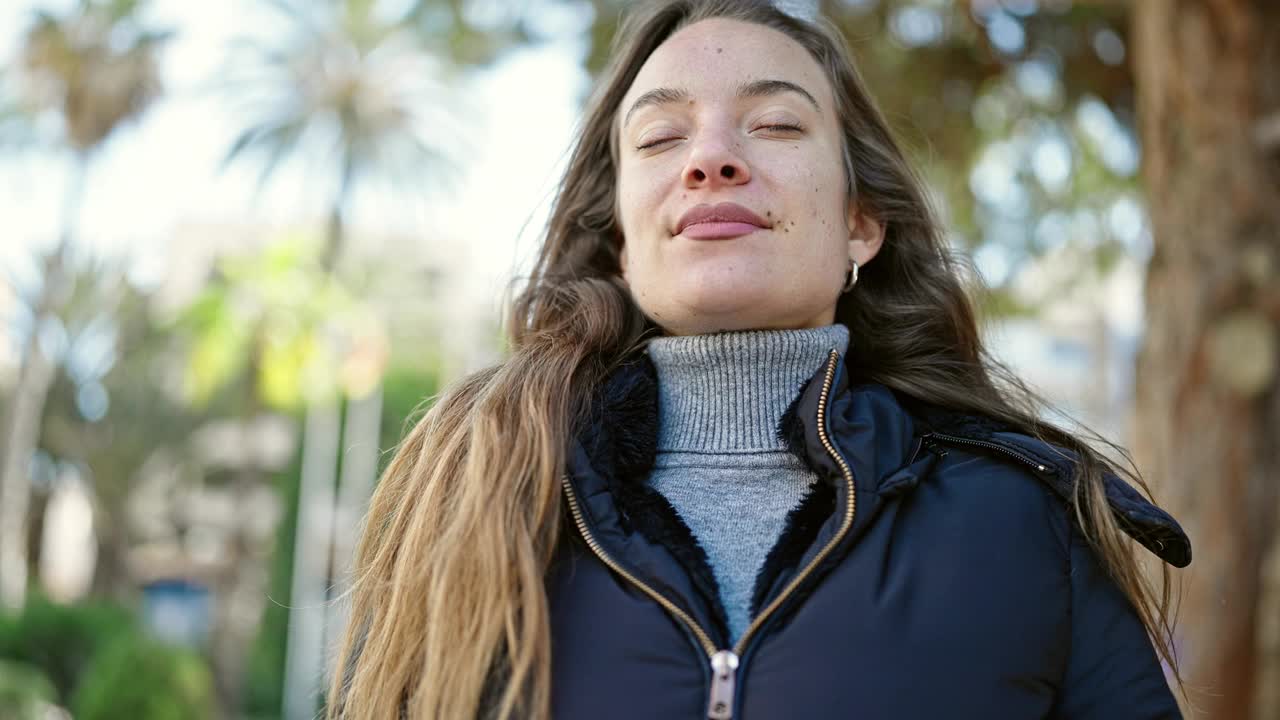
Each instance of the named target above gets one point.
<point>753,89</point>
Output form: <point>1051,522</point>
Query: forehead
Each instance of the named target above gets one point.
<point>714,57</point>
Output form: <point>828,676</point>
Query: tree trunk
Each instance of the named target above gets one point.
<point>22,431</point>
<point>313,541</point>
<point>26,410</point>
<point>360,454</point>
<point>304,658</point>
<point>1208,406</point>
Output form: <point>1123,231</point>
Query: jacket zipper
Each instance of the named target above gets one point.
<point>956,440</point>
<point>764,614</point>
<point>724,663</point>
<point>847,522</point>
<point>704,639</point>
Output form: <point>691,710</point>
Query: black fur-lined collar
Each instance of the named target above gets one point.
<point>620,433</point>
<point>620,437</point>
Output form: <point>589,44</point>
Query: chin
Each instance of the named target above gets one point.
<point>709,310</point>
<point>728,298</point>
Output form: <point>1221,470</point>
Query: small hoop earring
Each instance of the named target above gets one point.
<point>852,278</point>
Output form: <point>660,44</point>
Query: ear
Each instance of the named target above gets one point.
<point>866,235</point>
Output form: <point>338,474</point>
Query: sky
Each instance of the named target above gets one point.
<point>164,172</point>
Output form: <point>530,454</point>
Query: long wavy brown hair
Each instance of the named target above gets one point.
<point>449,611</point>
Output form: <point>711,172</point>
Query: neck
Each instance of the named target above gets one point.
<point>726,392</point>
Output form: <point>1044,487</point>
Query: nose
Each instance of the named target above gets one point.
<point>714,162</point>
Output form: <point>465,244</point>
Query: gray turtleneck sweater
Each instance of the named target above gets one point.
<point>720,462</point>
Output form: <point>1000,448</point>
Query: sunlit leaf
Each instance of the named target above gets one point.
<point>218,354</point>
<point>283,361</point>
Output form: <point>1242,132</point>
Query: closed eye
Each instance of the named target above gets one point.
<point>655,143</point>
<point>794,128</point>
<point>781,127</point>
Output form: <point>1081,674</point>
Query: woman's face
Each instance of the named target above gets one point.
<point>705,124</point>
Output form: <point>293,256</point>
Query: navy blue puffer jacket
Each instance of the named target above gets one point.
<point>933,571</point>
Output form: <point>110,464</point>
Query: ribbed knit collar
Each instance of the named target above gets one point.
<point>726,392</point>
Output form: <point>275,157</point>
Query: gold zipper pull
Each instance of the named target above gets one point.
<point>724,666</point>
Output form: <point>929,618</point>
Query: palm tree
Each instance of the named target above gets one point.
<point>360,93</point>
<point>96,68</point>
<point>357,88</point>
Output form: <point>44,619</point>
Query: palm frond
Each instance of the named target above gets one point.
<point>95,66</point>
<point>274,139</point>
<point>360,97</point>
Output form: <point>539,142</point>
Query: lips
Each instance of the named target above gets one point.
<point>725,215</point>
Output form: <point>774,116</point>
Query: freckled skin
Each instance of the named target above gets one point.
<point>720,148</point>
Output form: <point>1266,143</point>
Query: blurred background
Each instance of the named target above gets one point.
<point>245,242</point>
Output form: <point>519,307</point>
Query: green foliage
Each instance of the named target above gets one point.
<point>406,395</point>
<point>24,691</point>
<point>264,316</point>
<point>95,658</point>
<point>141,679</point>
<point>61,640</point>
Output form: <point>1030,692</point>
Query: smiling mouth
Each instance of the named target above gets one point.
<point>718,230</point>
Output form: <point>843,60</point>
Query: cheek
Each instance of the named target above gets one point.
<point>639,190</point>
<point>806,176</point>
<point>625,202</point>
<point>827,197</point>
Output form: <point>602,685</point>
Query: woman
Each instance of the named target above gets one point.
<point>749,457</point>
